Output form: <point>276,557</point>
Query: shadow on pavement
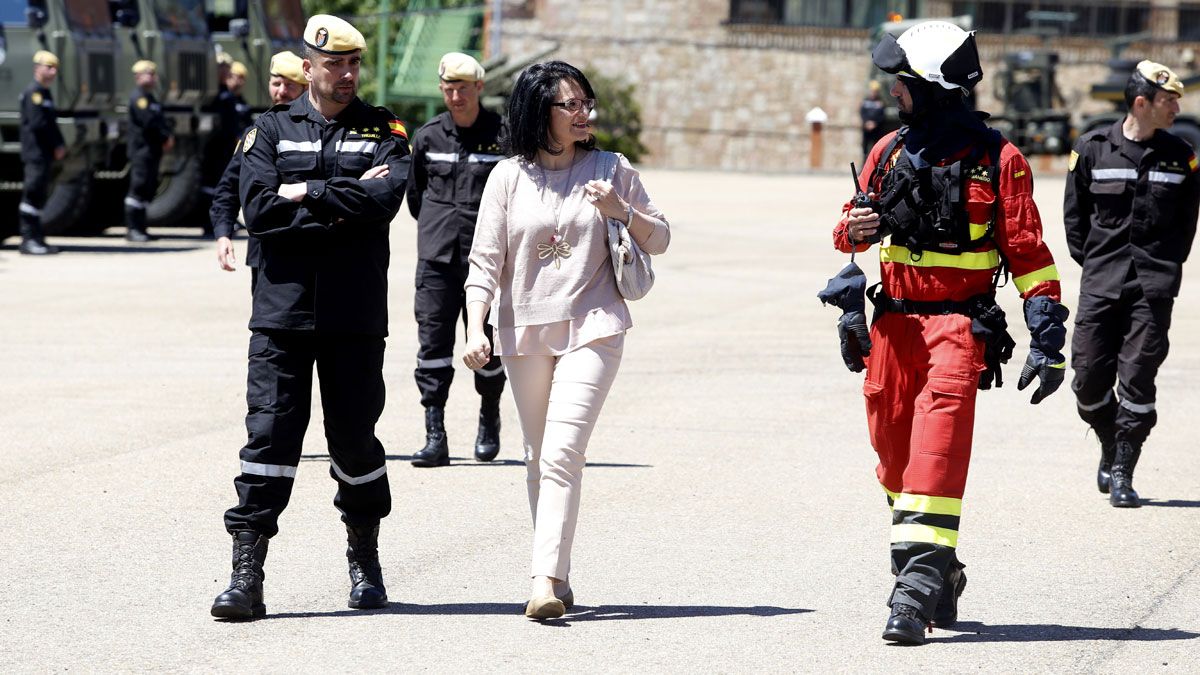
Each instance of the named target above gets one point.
<point>461,462</point>
<point>1181,503</point>
<point>74,248</point>
<point>577,613</point>
<point>974,631</point>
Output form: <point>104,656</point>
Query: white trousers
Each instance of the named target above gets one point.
<point>559,400</point>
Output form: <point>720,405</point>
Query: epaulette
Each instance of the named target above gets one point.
<point>279,107</point>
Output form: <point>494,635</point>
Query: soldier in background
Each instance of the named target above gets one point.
<point>871,114</point>
<point>1129,209</point>
<point>453,154</point>
<point>149,137</point>
<point>286,84</point>
<point>41,146</point>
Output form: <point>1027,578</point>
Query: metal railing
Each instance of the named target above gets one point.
<point>1070,18</point>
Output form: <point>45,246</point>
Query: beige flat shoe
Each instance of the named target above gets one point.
<point>548,607</point>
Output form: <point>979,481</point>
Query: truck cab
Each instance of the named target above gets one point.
<point>251,31</point>
<point>80,33</point>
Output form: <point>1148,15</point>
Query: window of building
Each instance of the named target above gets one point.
<point>826,13</point>
<point>1076,18</point>
<point>1189,21</point>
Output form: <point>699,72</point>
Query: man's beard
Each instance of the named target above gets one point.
<point>339,96</point>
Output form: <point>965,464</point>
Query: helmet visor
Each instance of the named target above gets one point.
<point>889,56</point>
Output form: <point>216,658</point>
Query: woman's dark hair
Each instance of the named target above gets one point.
<point>1137,86</point>
<point>529,108</point>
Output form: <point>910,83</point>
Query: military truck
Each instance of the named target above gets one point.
<point>80,32</point>
<point>1036,117</point>
<point>251,32</point>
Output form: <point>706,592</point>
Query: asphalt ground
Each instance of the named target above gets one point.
<point>731,521</point>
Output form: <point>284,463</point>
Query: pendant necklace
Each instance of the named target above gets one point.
<point>557,247</point>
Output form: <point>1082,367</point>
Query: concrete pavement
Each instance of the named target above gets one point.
<point>730,519</point>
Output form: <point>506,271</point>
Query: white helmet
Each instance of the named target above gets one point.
<point>935,51</point>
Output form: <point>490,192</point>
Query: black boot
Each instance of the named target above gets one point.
<point>366,577</point>
<point>946,613</point>
<point>32,241</point>
<point>487,441</point>
<point>1125,458</point>
<point>1108,443</point>
<point>244,597</point>
<point>437,450</point>
<point>905,625</point>
<point>135,226</point>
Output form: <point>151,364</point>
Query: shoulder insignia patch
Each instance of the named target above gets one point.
<point>143,103</point>
<point>1072,161</point>
<point>1193,164</point>
<point>248,141</point>
<point>397,128</point>
<point>36,98</point>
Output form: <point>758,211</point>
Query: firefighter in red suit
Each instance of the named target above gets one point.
<point>938,335</point>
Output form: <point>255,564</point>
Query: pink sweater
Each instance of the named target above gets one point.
<point>517,213</point>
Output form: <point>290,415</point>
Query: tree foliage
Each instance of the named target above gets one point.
<point>618,125</point>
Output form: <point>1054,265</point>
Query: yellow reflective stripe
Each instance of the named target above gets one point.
<point>1028,281</point>
<point>927,534</point>
<point>891,495</point>
<point>946,506</point>
<point>978,230</point>
<point>985,260</point>
<point>1059,365</point>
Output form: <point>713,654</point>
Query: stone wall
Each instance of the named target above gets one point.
<point>719,96</point>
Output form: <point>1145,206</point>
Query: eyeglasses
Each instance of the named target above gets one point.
<point>574,105</point>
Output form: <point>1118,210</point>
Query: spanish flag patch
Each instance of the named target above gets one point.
<point>398,129</point>
<point>1193,164</point>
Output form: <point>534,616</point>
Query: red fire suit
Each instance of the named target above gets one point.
<point>923,369</point>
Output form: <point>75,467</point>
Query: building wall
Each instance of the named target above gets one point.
<point>735,97</point>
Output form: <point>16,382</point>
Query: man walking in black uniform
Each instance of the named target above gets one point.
<point>320,299</point>
<point>452,156</point>
<point>1130,213</point>
<point>285,85</point>
<point>149,137</point>
<point>41,146</point>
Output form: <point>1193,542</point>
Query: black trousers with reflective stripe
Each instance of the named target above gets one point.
<point>279,400</point>
<point>36,189</point>
<point>439,305</point>
<point>1122,342</point>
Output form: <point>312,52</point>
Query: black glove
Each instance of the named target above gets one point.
<point>1047,335</point>
<point>848,291</point>
<point>856,340</point>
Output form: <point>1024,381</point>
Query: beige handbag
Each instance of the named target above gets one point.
<point>631,265</point>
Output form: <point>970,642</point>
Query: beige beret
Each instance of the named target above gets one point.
<point>1161,76</point>
<point>331,35</point>
<point>288,66</point>
<point>45,58</point>
<point>238,68</point>
<point>144,66</point>
<point>456,66</point>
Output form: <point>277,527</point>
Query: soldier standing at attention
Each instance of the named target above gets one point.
<point>1130,213</point>
<point>320,300</point>
<point>41,146</point>
<point>287,83</point>
<point>149,137</point>
<point>453,154</point>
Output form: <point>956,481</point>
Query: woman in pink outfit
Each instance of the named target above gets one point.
<point>540,262</point>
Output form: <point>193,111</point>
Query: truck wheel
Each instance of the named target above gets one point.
<point>177,194</point>
<point>67,202</point>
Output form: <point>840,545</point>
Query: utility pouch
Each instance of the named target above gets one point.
<point>989,325</point>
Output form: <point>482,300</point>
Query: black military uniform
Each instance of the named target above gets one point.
<point>321,298</point>
<point>450,168</point>
<point>233,119</point>
<point>223,213</point>
<point>148,131</point>
<point>40,137</point>
<point>1130,214</point>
